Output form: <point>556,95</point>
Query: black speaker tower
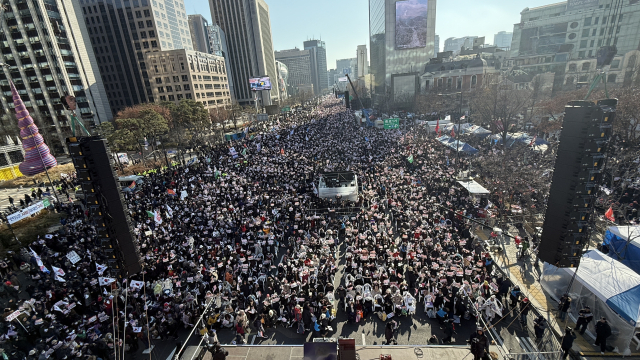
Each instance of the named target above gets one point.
<point>347,100</point>
<point>107,210</point>
<point>586,132</point>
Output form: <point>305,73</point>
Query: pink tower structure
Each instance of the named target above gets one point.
<point>37,156</point>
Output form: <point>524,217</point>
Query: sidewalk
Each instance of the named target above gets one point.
<point>526,275</point>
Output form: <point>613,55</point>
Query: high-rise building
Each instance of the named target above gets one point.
<point>502,40</point>
<point>218,44</point>
<point>332,77</point>
<point>576,30</point>
<point>247,29</point>
<point>401,41</point>
<point>121,32</point>
<point>47,58</point>
<point>436,46</point>
<point>456,44</point>
<point>186,74</point>
<point>199,28</point>
<point>217,40</point>
<point>362,61</point>
<point>347,66</point>
<point>298,63</point>
<point>318,54</point>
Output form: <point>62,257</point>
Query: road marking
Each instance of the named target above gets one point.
<point>253,339</point>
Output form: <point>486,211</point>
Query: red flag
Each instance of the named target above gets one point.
<point>282,151</point>
<point>453,132</point>
<point>533,141</point>
<point>438,127</point>
<point>609,215</point>
<point>171,192</point>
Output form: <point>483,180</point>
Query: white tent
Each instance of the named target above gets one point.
<point>473,187</point>
<point>607,286</point>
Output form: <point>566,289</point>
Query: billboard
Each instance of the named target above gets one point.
<point>258,84</point>
<point>411,24</point>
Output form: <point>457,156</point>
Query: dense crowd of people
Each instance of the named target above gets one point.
<point>238,241</point>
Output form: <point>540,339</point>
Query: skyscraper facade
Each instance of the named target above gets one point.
<point>362,62</point>
<point>299,69</point>
<point>121,32</point>
<point>46,58</point>
<point>436,46</point>
<point>318,54</point>
<point>456,44</point>
<point>392,55</point>
<point>247,28</point>
<point>503,40</point>
<point>199,29</point>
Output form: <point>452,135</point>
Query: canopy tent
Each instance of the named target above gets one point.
<point>476,130</point>
<point>457,145</point>
<point>519,137</point>
<point>473,187</point>
<point>607,286</point>
<point>624,245</point>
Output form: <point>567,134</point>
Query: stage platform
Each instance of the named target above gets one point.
<point>276,352</point>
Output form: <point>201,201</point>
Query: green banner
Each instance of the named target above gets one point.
<point>286,108</point>
<point>46,203</point>
<point>391,123</point>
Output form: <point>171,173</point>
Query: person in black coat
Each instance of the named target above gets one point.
<point>479,344</point>
<point>565,305</point>
<point>448,329</point>
<point>584,318</point>
<point>567,341</point>
<point>603,331</point>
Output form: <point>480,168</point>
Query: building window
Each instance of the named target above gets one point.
<point>160,89</point>
<point>587,21</point>
<point>169,89</point>
<point>143,34</point>
<point>474,80</point>
<point>140,24</point>
<point>149,23</point>
<point>179,96</point>
<point>187,87</point>
<point>611,78</point>
<point>152,34</point>
<point>172,98</point>
<point>178,88</point>
<point>573,68</point>
<point>586,66</point>
<point>154,44</point>
<point>583,44</point>
<point>585,33</point>
<point>569,80</point>
<point>198,95</point>
<point>147,13</point>
<point>459,86</point>
<point>158,80</point>
<point>615,64</point>
<point>584,78</point>
<point>182,67</point>
<point>145,44</point>
<point>138,14</point>
<point>580,54</point>
<point>176,79</point>
<point>163,98</point>
<point>185,77</point>
<point>188,95</point>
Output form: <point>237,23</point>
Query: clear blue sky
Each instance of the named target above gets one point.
<point>344,24</point>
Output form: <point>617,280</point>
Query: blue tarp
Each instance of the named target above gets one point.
<point>624,245</point>
<point>457,145</point>
<point>613,282</point>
